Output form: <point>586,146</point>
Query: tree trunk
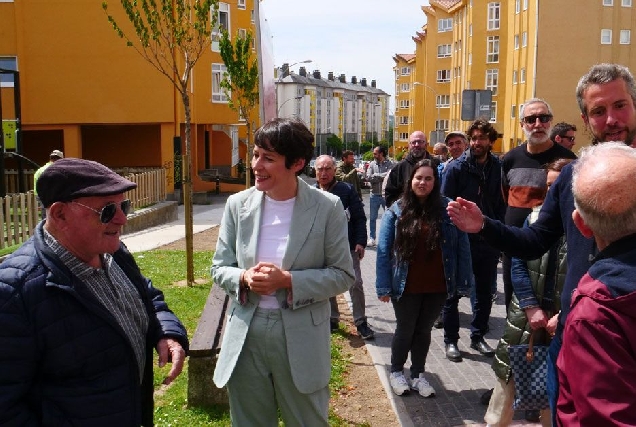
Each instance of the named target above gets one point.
<point>187,189</point>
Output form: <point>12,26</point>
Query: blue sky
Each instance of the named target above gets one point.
<point>352,37</point>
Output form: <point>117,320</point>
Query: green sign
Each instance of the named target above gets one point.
<point>8,129</point>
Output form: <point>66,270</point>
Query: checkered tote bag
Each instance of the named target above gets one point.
<point>530,370</point>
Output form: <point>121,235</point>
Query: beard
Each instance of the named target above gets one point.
<point>629,138</point>
<point>536,139</point>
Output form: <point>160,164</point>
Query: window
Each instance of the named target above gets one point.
<point>404,120</point>
<point>522,76</point>
<point>241,4</point>
<point>218,71</point>
<point>443,76</point>
<point>443,51</point>
<point>493,112</point>
<point>492,54</point>
<point>223,22</point>
<point>404,103</point>
<point>242,33</point>
<point>626,36</point>
<point>626,3</point>
<point>514,77</point>
<point>441,124</point>
<point>492,80</point>
<point>494,10</point>
<point>517,6</point>
<point>608,2</point>
<point>524,39</point>
<point>405,87</point>
<point>8,63</point>
<point>444,25</point>
<point>516,38</point>
<point>525,4</point>
<point>404,136</point>
<point>252,15</point>
<point>606,36</point>
<point>470,30</point>
<point>470,59</point>
<point>513,111</point>
<point>442,101</point>
<point>405,71</point>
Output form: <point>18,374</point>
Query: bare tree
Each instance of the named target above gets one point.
<point>172,35</point>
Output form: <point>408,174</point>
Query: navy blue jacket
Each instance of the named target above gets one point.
<point>65,360</point>
<point>357,219</point>
<point>554,219</point>
<point>463,179</point>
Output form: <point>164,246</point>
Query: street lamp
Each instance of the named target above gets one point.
<point>286,101</point>
<point>438,123</point>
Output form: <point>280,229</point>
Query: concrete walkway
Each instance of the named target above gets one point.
<point>458,385</point>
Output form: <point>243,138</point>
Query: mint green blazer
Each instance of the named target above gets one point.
<point>319,261</point>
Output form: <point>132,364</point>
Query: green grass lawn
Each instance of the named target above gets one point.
<point>165,268</point>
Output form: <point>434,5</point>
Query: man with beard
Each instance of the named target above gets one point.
<point>607,99</point>
<point>475,176</point>
<point>524,175</point>
<point>401,172</point>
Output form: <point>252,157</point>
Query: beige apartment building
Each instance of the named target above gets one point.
<point>518,49</point>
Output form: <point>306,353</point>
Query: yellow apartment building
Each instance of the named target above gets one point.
<point>84,92</point>
<point>403,122</point>
<point>518,49</point>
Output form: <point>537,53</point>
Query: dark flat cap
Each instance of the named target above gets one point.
<point>71,178</point>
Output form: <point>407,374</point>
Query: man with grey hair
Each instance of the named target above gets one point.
<point>606,95</point>
<point>524,176</point>
<point>599,334</point>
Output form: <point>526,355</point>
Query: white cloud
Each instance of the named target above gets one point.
<point>352,37</point>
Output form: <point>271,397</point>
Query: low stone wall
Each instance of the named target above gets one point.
<point>160,213</point>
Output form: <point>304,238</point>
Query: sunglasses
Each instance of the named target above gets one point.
<point>543,118</point>
<point>107,213</point>
<point>569,138</point>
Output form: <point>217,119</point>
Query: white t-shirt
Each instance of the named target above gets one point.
<point>273,238</point>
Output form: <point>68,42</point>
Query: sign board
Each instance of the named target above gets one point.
<point>9,131</point>
<point>476,104</point>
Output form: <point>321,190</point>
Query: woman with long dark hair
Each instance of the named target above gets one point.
<point>422,259</point>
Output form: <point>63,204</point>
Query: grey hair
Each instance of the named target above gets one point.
<point>534,101</point>
<point>592,205</point>
<point>602,74</point>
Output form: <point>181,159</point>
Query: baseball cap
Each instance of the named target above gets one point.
<point>455,133</point>
<point>57,153</point>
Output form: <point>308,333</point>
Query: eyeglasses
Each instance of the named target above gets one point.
<point>569,138</point>
<point>543,118</point>
<point>107,213</point>
<point>418,142</point>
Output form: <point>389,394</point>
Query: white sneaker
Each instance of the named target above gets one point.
<point>399,383</point>
<point>371,243</point>
<point>422,386</point>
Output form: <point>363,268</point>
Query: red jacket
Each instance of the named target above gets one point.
<point>597,363</point>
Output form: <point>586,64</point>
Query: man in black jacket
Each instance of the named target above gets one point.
<point>401,172</point>
<point>475,176</point>
<point>326,177</point>
<point>79,320</point>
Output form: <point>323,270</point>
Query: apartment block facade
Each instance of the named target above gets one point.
<point>85,92</point>
<point>517,49</point>
<point>354,110</point>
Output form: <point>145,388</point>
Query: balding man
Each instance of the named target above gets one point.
<point>400,173</point>
<point>597,365</point>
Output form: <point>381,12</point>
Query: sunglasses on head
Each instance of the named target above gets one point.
<point>107,213</point>
<point>543,118</point>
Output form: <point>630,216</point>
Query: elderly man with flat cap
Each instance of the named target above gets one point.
<point>79,320</point>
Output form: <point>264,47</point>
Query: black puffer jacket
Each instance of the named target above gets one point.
<point>65,360</point>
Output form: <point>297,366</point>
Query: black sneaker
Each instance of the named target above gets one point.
<point>439,322</point>
<point>365,332</point>
<point>334,324</point>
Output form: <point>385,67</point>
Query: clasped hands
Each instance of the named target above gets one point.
<point>265,278</point>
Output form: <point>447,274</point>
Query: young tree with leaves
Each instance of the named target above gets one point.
<point>240,82</point>
<point>172,35</point>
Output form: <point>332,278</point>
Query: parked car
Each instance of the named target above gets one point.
<point>310,169</point>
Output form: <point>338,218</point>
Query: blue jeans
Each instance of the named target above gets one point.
<point>375,202</point>
<point>552,382</point>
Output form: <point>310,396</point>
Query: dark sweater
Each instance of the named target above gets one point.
<point>357,219</point>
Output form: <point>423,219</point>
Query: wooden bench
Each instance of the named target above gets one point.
<point>204,350</point>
